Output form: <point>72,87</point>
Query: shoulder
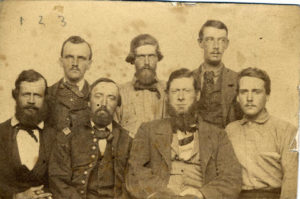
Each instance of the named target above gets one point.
<point>4,126</point>
<point>230,73</point>
<point>233,126</point>
<point>282,126</point>
<point>123,132</point>
<point>126,85</point>
<point>212,129</point>
<point>52,89</point>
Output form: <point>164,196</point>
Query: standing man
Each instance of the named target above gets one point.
<point>68,98</point>
<point>25,143</point>
<point>263,143</point>
<point>217,83</point>
<point>91,164</point>
<point>143,97</point>
<point>182,156</point>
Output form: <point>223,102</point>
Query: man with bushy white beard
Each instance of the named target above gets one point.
<point>91,162</point>
<point>143,97</point>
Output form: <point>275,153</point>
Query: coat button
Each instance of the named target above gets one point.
<point>82,192</point>
<point>92,132</point>
<point>95,140</point>
<point>85,172</point>
<point>91,165</point>
<point>83,181</point>
<point>93,156</point>
<point>94,147</point>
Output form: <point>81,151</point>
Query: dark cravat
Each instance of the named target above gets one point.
<point>153,88</point>
<point>208,83</point>
<point>29,130</point>
<point>103,134</point>
<point>74,88</point>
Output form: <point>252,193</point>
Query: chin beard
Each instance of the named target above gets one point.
<point>213,63</point>
<point>183,121</point>
<point>33,119</point>
<point>102,117</point>
<point>146,76</point>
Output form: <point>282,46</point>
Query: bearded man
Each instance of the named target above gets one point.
<point>25,142</point>
<point>143,97</point>
<point>91,162</point>
<point>182,156</point>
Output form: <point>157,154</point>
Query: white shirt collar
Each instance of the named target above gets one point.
<point>108,126</point>
<point>80,84</point>
<point>14,121</point>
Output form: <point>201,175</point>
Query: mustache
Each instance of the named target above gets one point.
<point>102,108</point>
<point>75,68</point>
<point>31,107</point>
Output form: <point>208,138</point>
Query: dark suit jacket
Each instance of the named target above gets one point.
<point>150,161</point>
<point>230,108</point>
<point>67,110</point>
<point>71,162</point>
<point>11,171</point>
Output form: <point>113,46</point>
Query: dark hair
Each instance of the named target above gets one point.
<point>212,23</point>
<point>141,40</point>
<point>181,73</point>
<point>258,73</point>
<point>104,79</point>
<point>27,76</point>
<point>75,40</point>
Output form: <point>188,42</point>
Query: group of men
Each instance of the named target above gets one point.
<point>203,134</point>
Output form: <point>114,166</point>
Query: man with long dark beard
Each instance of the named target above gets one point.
<point>91,163</point>
<point>182,156</point>
<point>25,143</point>
<point>217,82</point>
<point>143,97</point>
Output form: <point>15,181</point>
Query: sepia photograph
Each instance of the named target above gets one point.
<point>148,100</point>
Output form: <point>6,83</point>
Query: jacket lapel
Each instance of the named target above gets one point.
<point>228,92</point>
<point>205,144</point>
<point>162,141</point>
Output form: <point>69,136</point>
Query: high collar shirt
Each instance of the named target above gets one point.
<point>102,142</point>
<point>28,148</point>
<point>264,148</point>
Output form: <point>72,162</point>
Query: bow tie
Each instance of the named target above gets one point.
<point>103,134</point>
<point>153,88</point>
<point>29,130</point>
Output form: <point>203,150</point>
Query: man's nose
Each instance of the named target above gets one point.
<point>75,62</point>
<point>103,101</point>
<point>146,60</point>
<point>250,97</point>
<point>180,95</point>
<point>215,44</point>
<point>31,99</point>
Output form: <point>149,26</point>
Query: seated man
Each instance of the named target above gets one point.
<point>25,142</point>
<point>262,142</point>
<point>90,163</point>
<point>182,156</point>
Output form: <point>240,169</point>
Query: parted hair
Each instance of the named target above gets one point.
<point>75,40</point>
<point>104,79</point>
<point>27,76</point>
<point>141,40</point>
<point>211,23</point>
<point>258,73</point>
<point>181,73</point>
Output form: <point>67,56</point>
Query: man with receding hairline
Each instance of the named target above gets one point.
<point>68,97</point>
<point>143,97</point>
<point>217,82</point>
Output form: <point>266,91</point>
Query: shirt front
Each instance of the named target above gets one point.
<point>102,142</point>
<point>27,146</point>
<point>263,147</point>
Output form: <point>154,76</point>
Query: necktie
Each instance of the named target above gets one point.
<point>74,88</point>
<point>153,88</point>
<point>29,130</point>
<point>208,82</point>
<point>103,134</point>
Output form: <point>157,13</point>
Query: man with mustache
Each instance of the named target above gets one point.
<point>143,97</point>
<point>217,82</point>
<point>68,97</point>
<point>263,143</point>
<point>92,162</point>
<point>182,156</point>
<point>25,142</point>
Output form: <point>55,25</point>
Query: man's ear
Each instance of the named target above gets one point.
<point>89,104</point>
<point>227,44</point>
<point>237,98</point>
<point>268,97</point>
<point>200,43</point>
<point>89,64</point>
<point>198,94</point>
<point>60,61</point>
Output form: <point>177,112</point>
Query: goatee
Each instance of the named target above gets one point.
<point>30,115</point>
<point>183,121</point>
<point>146,76</point>
<point>102,117</point>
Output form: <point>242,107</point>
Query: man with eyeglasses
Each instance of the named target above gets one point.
<point>217,82</point>
<point>143,97</point>
<point>68,98</point>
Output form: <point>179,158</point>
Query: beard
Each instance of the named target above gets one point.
<point>183,121</point>
<point>146,76</point>
<point>102,117</point>
<point>34,117</point>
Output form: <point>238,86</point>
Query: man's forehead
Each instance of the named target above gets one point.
<point>145,49</point>
<point>76,49</point>
<point>216,32</point>
<point>251,82</point>
<point>106,87</point>
<point>183,82</point>
<point>39,84</point>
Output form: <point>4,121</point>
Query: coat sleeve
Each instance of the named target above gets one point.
<point>60,170</point>
<point>227,184</point>
<point>140,180</point>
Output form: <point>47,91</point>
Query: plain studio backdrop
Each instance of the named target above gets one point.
<point>264,36</point>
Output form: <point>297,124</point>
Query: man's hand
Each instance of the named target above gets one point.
<point>34,193</point>
<point>192,192</point>
<point>192,176</point>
